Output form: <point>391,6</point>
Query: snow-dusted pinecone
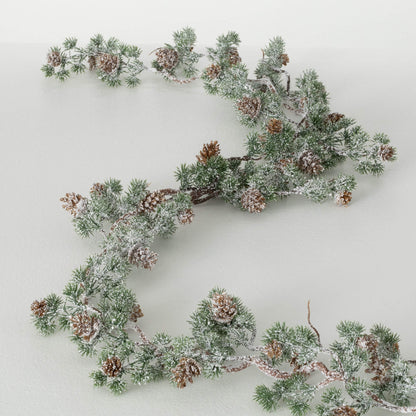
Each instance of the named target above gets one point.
<point>284,57</point>
<point>108,63</point>
<point>185,371</point>
<point>136,313</point>
<point>74,203</point>
<point>209,150</point>
<point>273,349</point>
<point>334,117</point>
<point>213,71</point>
<point>54,58</point>
<point>274,126</point>
<point>249,106</point>
<point>142,256</point>
<point>39,308</point>
<point>97,189</point>
<point>386,152</point>
<point>344,411</point>
<point>151,201</point>
<point>112,367</point>
<point>252,200</point>
<point>85,326</point>
<point>186,217</point>
<point>167,58</point>
<point>223,308</point>
<point>233,56</point>
<point>343,198</point>
<point>310,163</point>
<point>92,62</point>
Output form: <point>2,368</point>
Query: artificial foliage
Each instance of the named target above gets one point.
<point>293,146</point>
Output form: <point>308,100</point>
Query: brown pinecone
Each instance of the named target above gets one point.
<point>39,308</point>
<point>310,163</point>
<point>252,200</point>
<point>213,71</point>
<point>223,308</point>
<point>136,313</point>
<point>108,63</point>
<point>274,126</point>
<point>186,217</point>
<point>142,256</point>
<point>185,371</point>
<point>343,198</point>
<point>54,58</point>
<point>386,152</point>
<point>249,106</point>
<point>151,201</point>
<point>112,367</point>
<point>167,58</point>
<point>85,326</point>
<point>233,56</point>
<point>74,203</point>
<point>284,57</point>
<point>345,411</point>
<point>209,150</point>
<point>273,349</point>
<point>334,117</point>
<point>97,189</point>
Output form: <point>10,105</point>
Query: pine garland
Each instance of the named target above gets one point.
<point>295,139</point>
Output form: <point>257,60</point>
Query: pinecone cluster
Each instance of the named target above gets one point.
<point>310,163</point>
<point>284,57</point>
<point>213,71</point>
<point>345,411</point>
<point>142,256</point>
<point>343,198</point>
<point>186,217</point>
<point>39,308</point>
<point>233,56</point>
<point>185,371</point>
<point>273,349</point>
<point>386,152</point>
<point>167,58</point>
<point>274,126</point>
<point>108,63</point>
<point>223,308</point>
<point>208,151</point>
<point>97,189</point>
<point>334,117</point>
<point>249,106</point>
<point>136,313</point>
<point>151,201</point>
<point>74,203</point>
<point>85,326</point>
<point>252,200</point>
<point>54,58</point>
<point>112,367</point>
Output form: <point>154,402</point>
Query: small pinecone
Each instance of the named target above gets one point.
<point>249,106</point>
<point>334,117</point>
<point>284,57</point>
<point>92,62</point>
<point>273,349</point>
<point>185,371</point>
<point>54,58</point>
<point>274,126</point>
<point>136,313</point>
<point>142,256</point>
<point>343,198</point>
<point>97,189</point>
<point>74,203</point>
<point>151,201</point>
<point>112,367</point>
<point>367,342</point>
<point>386,152</point>
<point>39,308</point>
<point>252,200</point>
<point>209,150</point>
<point>186,217</point>
<point>108,63</point>
<point>233,56</point>
<point>310,163</point>
<point>85,326</point>
<point>345,411</point>
<point>213,71</point>
<point>223,308</point>
<point>167,58</point>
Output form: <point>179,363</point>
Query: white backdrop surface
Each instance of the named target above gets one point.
<point>355,263</point>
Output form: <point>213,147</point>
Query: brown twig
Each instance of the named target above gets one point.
<point>310,323</point>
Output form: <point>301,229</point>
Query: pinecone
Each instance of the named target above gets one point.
<point>74,203</point>
<point>386,152</point>
<point>151,201</point>
<point>284,57</point>
<point>167,58</point>
<point>39,308</point>
<point>310,163</point>
<point>112,367</point>
<point>377,365</point>
<point>334,117</point>
<point>344,411</point>
<point>54,58</point>
<point>343,198</point>
<point>108,63</point>
<point>97,189</point>
<point>213,71</point>
<point>274,126</point>
<point>252,200</point>
<point>142,256</point>
<point>185,371</point>
<point>233,56</point>
<point>85,326</point>
<point>223,308</point>
<point>186,217</point>
<point>249,106</point>
<point>136,313</point>
<point>209,150</point>
<point>273,349</point>
<point>92,62</point>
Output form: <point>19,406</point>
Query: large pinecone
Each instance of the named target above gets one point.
<point>108,63</point>
<point>252,200</point>
<point>274,126</point>
<point>343,198</point>
<point>85,326</point>
<point>249,106</point>
<point>334,117</point>
<point>310,163</point>
<point>151,201</point>
<point>167,58</point>
<point>74,203</point>
<point>386,152</point>
<point>185,371</point>
<point>233,56</point>
<point>142,256</point>
<point>273,349</point>
<point>39,308</point>
<point>209,150</point>
<point>112,367</point>
<point>223,308</point>
<point>213,71</point>
<point>186,217</point>
<point>54,58</point>
<point>344,411</point>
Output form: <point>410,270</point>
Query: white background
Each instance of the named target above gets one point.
<point>355,263</point>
